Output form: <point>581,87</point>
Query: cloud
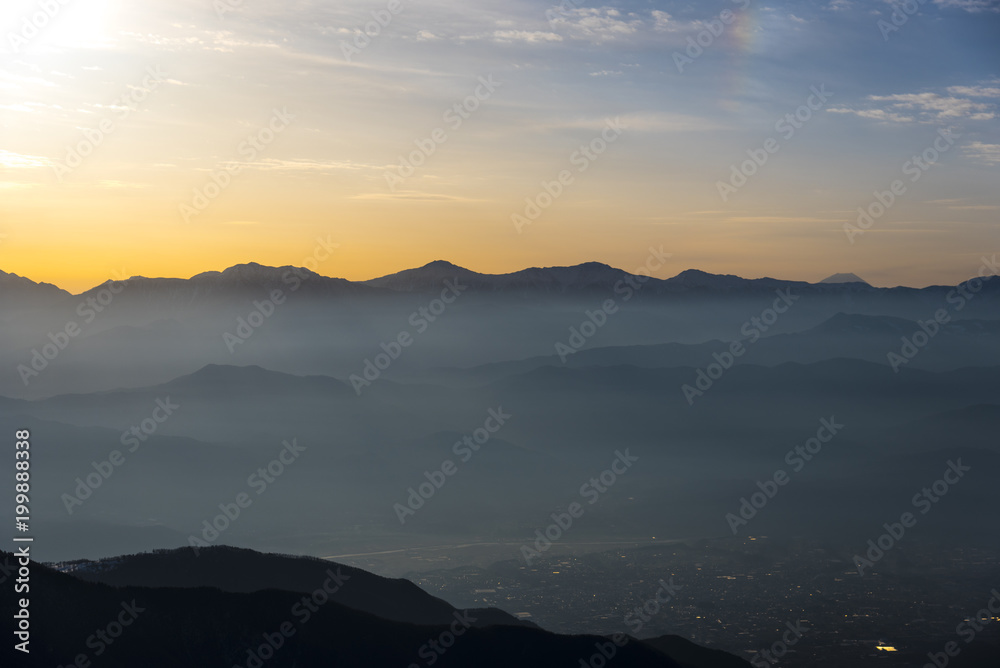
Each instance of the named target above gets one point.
<point>11,160</point>
<point>873,114</point>
<point>985,153</point>
<point>939,106</point>
<point>972,6</point>
<point>414,196</point>
<point>662,22</point>
<point>273,164</point>
<point>300,165</point>
<point>956,204</point>
<point>642,121</point>
<point>777,219</point>
<point>528,36</point>
<point>601,24</point>
<point>928,107</point>
<point>974,91</point>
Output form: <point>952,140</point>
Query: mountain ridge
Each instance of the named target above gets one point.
<point>584,274</point>
<point>183,626</point>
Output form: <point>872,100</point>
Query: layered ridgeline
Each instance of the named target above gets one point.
<point>325,471</point>
<point>141,331</point>
<point>228,607</point>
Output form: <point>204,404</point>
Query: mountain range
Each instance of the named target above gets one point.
<point>581,277</point>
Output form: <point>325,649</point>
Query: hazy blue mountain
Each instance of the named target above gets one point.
<point>844,278</point>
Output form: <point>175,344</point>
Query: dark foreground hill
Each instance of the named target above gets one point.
<point>76,622</point>
<point>245,571</point>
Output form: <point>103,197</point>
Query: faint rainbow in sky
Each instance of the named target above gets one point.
<point>743,40</point>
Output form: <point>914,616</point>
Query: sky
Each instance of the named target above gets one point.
<point>167,138</point>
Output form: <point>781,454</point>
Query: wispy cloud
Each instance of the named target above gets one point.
<point>986,153</point>
<point>526,36</point>
<point>972,6</point>
<point>974,91</point>
<point>298,165</point>
<point>645,121</point>
<point>11,160</point>
<point>939,106</point>
<point>874,114</point>
<point>415,196</point>
<point>928,107</point>
<point>602,23</point>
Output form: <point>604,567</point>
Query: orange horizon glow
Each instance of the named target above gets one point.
<point>308,143</point>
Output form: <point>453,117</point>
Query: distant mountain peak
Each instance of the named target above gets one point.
<point>596,265</point>
<point>250,278</point>
<point>443,264</point>
<point>225,369</point>
<point>19,288</point>
<point>844,278</point>
<point>251,271</point>
<point>699,278</point>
